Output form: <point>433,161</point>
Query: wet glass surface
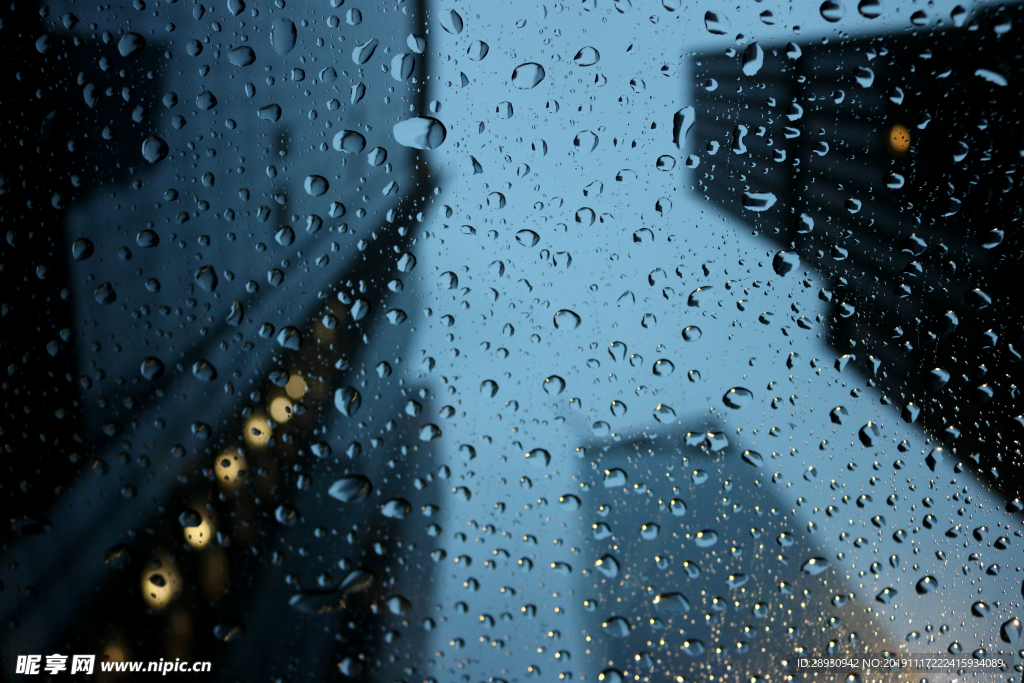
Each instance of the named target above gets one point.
<point>606,340</point>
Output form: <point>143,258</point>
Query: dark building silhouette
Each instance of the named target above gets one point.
<point>116,467</point>
<point>893,164</point>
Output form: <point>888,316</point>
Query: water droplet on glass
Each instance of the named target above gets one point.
<point>682,122</point>
<point>832,10</point>
<point>421,132</point>
<point>130,44</point>
<point>1011,630</point>
<point>351,489</point>
<point>615,478</point>
<point>716,23</point>
<point>566,320</point>
<point>664,413</point>
<point>927,585</point>
<point>758,201</point>
<point>587,56</point>
<point>569,502</point>
<point>429,432</point>
<point>527,238</point>
<point>152,368</point>
<point>538,458</point>
<point>349,141</point>
<point>691,333</point>
<point>870,9</point>
<point>785,261</point>
<point>316,185</point>
<point>527,76</point>
<point>752,458</point>
<point>347,401</point>
<point>242,56</point>
<point>154,149</point>
<point>451,21</point>
<point>203,370</point>
<point>706,538</point>
<point>361,53</point>
<point>283,35</point>
<point>477,50</point>
<point>815,566</point>
<point>737,398</point>
<point>396,508</point>
<point>671,603</point>
<point>554,385</point>
<point>616,627</point>
<point>81,249</point>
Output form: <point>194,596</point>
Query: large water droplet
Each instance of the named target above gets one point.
<point>758,201</point>
<point>451,21</point>
<point>785,261</point>
<point>616,627</point>
<point>154,149</point>
<point>316,185</point>
<point>737,398</point>
<point>566,320</point>
<point>832,10</point>
<point>554,385</point>
<point>538,458</point>
<point>429,432</point>
<point>608,566</point>
<point>716,23</point>
<point>203,370</point>
<point>362,53</point>
<point>527,238</point>
<point>615,478</point>
<point>349,141</point>
<point>527,76</point>
<point>706,538</point>
<point>477,50</point>
<point>351,489</point>
<point>587,56</point>
<point>151,368</point>
<point>130,44</point>
<point>283,35</point>
<point>682,122</point>
<point>347,401</point>
<point>671,603</point>
<point>242,56</point>
<point>663,367</point>
<point>815,566</point>
<point>752,458</point>
<point>396,508</point>
<point>421,132</point>
<point>870,9</point>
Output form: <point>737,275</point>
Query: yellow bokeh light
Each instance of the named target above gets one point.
<point>899,138</point>
<point>257,431</point>
<point>230,469</point>
<point>296,387</point>
<point>161,582</point>
<point>281,409</point>
<point>199,536</point>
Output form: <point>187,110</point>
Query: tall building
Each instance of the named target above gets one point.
<point>201,273</point>
<point>889,164</point>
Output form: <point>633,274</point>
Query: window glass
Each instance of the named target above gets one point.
<point>471,341</point>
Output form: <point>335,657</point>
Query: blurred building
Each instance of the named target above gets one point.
<point>188,250</point>
<point>890,164</point>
